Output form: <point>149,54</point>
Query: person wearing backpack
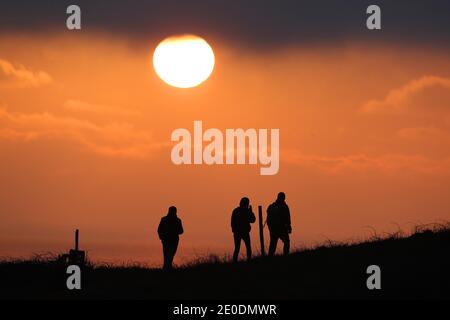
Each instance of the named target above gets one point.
<point>169,231</point>
<point>241,218</point>
<point>279,223</point>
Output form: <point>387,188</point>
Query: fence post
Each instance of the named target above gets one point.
<point>261,231</point>
<point>76,240</point>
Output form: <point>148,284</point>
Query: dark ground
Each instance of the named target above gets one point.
<point>414,267</point>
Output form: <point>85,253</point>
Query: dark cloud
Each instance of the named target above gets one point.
<point>253,23</point>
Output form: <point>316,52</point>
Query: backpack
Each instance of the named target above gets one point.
<point>272,215</point>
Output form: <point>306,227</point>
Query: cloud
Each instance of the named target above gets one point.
<point>252,23</point>
<point>19,76</point>
<point>401,100</point>
<point>113,139</point>
<point>387,163</point>
<point>425,134</point>
<point>85,107</point>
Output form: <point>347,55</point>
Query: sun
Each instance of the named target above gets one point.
<point>183,61</point>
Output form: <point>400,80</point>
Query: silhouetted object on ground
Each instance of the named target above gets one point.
<point>75,256</point>
<point>241,218</point>
<point>279,223</point>
<point>169,231</point>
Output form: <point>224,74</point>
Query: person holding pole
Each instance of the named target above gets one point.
<point>279,223</point>
<point>241,218</point>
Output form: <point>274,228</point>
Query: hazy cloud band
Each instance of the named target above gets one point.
<point>252,23</point>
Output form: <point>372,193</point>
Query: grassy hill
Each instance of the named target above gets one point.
<point>417,266</point>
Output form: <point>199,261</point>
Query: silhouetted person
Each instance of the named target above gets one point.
<point>279,223</point>
<point>241,219</point>
<point>169,231</point>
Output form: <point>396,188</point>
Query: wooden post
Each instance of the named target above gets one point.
<point>261,231</point>
<point>76,240</point>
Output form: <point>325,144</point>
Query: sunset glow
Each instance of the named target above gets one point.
<point>86,123</point>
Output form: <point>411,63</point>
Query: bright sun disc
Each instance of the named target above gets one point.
<point>183,61</point>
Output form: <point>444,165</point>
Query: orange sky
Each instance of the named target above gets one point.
<point>85,128</point>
